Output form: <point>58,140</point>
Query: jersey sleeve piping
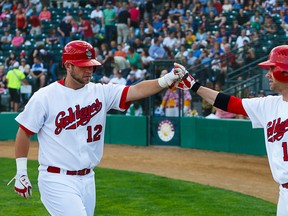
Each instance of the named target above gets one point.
<point>26,130</point>
<point>123,104</point>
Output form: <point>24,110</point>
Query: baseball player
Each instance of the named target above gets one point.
<point>269,113</point>
<point>69,117</point>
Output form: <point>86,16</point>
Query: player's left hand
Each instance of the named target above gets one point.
<point>22,186</point>
<point>187,81</point>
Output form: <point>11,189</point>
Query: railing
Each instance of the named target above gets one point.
<point>242,88</point>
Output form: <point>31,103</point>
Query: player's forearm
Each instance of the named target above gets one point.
<point>143,89</point>
<point>22,144</point>
<point>208,94</point>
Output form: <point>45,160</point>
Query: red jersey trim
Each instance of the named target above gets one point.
<point>62,82</point>
<point>123,104</point>
<point>235,106</point>
<point>26,130</point>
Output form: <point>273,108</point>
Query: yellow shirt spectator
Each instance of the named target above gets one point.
<point>15,77</point>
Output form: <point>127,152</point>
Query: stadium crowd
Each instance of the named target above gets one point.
<point>129,35</point>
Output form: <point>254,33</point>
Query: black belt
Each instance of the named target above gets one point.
<point>285,185</point>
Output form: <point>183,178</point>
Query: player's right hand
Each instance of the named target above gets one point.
<point>22,186</point>
<point>187,81</point>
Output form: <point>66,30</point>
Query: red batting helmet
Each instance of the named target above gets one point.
<point>278,58</point>
<point>79,53</point>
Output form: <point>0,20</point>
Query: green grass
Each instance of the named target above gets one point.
<point>122,193</point>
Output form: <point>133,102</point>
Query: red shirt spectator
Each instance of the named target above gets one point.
<point>135,16</point>
<point>86,28</point>
<point>45,14</point>
<point>21,22</point>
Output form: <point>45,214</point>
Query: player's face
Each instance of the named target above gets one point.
<point>79,76</point>
<point>275,85</point>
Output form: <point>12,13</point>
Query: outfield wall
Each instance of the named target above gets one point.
<point>235,136</point>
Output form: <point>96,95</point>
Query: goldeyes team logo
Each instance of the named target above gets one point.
<point>89,54</point>
<point>276,129</point>
<point>75,118</point>
<point>166,130</point>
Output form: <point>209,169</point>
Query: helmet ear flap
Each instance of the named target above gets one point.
<point>280,74</point>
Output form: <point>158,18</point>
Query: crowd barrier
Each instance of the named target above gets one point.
<point>233,136</point>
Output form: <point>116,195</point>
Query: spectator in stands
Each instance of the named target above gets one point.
<point>7,23</point>
<point>123,25</point>
<point>6,4</point>
<point>38,73</point>
<point>135,109</point>
<point>257,17</point>
<point>86,30</point>
<point>220,20</point>
<point>49,62</point>
<point>138,45</point>
<point>211,21</point>
<point>190,37</point>
<point>242,18</point>
<point>146,59</point>
<point>6,40</point>
<point>37,4</point>
<point>18,39</point>
<point>134,58</point>
<point>210,7</point>
<point>131,78</point>
<point>180,36</point>
<point>15,77</point>
<point>190,57</point>
<point>201,35</point>
<point>24,67</point>
<point>135,15</point>
<point>67,4</point>
<point>97,14</point>
<point>65,31</point>
<point>249,6</point>
<point>139,73</point>
<point>249,53</point>
<point>182,54</point>
<point>117,77</point>
<point>52,38</point>
<point>237,5</point>
<point>227,6</point>
<point>9,61</point>
<point>170,40</point>
<point>269,27</point>
<point>35,23</point>
<point>157,23</point>
<point>228,61</point>
<point>45,14</point>
<point>240,39</point>
<point>21,21</point>
<point>235,30</point>
<point>96,29</point>
<point>108,21</point>
<point>3,81</point>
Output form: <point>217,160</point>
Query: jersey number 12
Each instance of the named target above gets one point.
<point>94,133</point>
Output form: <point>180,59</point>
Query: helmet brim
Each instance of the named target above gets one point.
<point>84,63</point>
<point>266,64</point>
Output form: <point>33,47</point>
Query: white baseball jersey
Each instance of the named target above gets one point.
<point>71,123</point>
<point>271,114</point>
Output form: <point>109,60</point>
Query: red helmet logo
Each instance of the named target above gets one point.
<point>79,53</point>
